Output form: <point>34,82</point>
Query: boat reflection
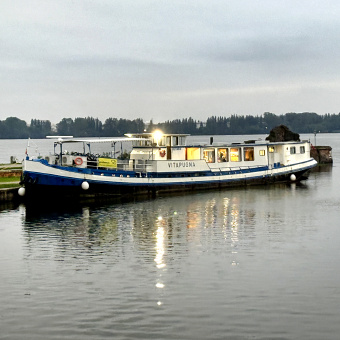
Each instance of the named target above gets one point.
<point>153,229</point>
<point>166,234</point>
<point>322,168</point>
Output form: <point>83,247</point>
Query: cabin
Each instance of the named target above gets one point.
<point>215,156</point>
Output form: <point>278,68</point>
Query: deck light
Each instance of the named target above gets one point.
<point>157,135</point>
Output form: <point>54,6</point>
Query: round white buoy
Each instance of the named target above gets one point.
<point>292,177</point>
<point>22,191</point>
<point>85,185</point>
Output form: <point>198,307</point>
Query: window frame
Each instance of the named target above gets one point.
<point>206,155</point>
<point>239,154</point>
<point>251,151</point>
<point>224,157</point>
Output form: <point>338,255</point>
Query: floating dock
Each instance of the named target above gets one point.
<point>322,154</point>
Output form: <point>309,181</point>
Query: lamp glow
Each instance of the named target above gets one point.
<point>157,135</point>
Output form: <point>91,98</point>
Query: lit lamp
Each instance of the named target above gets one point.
<point>157,136</point>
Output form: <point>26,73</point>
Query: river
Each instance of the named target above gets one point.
<point>250,263</point>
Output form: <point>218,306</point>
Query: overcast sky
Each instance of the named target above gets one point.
<point>161,60</point>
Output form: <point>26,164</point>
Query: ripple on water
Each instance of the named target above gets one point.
<point>239,264</point>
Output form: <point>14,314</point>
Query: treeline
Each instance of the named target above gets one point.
<point>93,127</point>
<point>14,128</point>
<point>306,122</point>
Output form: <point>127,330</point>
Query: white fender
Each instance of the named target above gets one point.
<point>85,185</point>
<point>22,191</point>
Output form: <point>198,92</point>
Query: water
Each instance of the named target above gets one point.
<point>42,147</point>
<point>255,263</point>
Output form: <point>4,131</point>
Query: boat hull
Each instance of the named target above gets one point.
<point>43,181</point>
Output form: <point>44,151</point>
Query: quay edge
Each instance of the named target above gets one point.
<point>9,194</point>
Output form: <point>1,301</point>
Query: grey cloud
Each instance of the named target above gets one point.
<point>172,56</point>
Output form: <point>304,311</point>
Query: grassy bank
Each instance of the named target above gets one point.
<point>9,182</point>
<point>10,167</point>
<point>9,179</point>
<point>9,175</point>
<point>9,185</point>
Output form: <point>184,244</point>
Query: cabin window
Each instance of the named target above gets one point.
<point>271,149</point>
<point>262,152</point>
<point>209,155</point>
<point>175,140</point>
<point>168,141</point>
<point>181,141</point>
<point>248,154</point>
<point>144,142</point>
<point>235,155</point>
<point>292,150</point>
<point>302,149</point>
<point>222,155</point>
<point>193,153</point>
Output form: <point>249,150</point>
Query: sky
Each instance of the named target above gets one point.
<point>165,60</point>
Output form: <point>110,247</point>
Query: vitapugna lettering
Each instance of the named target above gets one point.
<point>181,164</point>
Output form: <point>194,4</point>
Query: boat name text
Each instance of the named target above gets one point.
<point>181,164</point>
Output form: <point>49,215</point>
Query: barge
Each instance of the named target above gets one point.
<point>161,163</point>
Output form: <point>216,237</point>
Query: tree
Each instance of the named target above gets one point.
<point>270,120</point>
<point>13,127</point>
<point>110,127</point>
<point>65,127</point>
<point>39,128</point>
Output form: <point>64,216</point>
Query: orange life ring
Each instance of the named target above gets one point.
<point>162,153</point>
<point>78,161</point>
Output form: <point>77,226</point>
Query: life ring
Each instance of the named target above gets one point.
<point>78,161</point>
<point>162,153</point>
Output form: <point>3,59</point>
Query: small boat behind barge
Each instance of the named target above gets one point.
<point>161,163</point>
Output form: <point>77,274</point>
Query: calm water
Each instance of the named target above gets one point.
<point>256,263</point>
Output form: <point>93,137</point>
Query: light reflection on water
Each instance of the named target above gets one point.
<point>241,264</point>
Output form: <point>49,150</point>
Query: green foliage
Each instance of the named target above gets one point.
<point>13,127</point>
<point>9,179</point>
<point>9,185</point>
<point>65,127</point>
<point>114,127</point>
<point>40,128</point>
<point>305,122</point>
<point>124,155</point>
